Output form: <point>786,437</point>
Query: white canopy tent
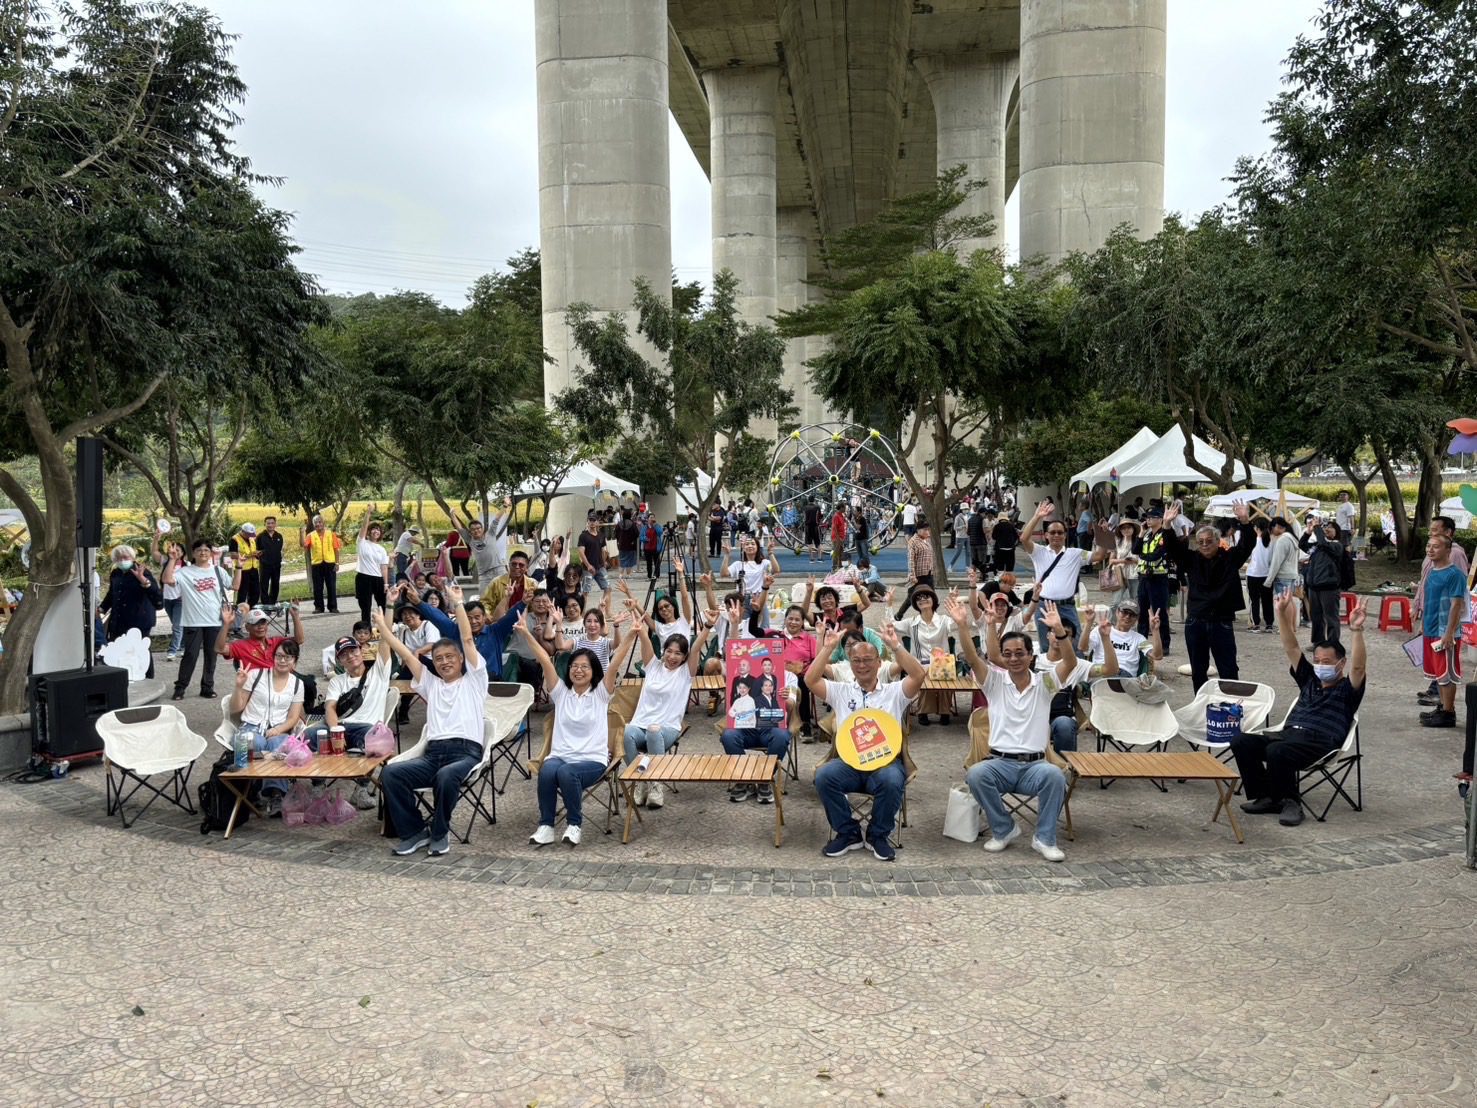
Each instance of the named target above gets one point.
<point>585,479</point>
<point>1163,463</point>
<point>1102,471</point>
<point>690,497</point>
<point>1224,503</point>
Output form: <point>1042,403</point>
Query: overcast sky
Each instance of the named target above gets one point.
<point>406,135</point>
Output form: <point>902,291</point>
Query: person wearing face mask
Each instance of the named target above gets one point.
<point>1331,689</point>
<point>132,598</point>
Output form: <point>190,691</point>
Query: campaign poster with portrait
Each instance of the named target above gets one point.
<point>754,674</point>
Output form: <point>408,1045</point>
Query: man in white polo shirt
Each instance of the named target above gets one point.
<point>1020,725</point>
<point>1056,566</point>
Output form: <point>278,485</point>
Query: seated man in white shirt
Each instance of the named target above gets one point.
<point>355,700</point>
<point>454,687</point>
<point>1127,643</point>
<point>1020,707</point>
<point>834,779</point>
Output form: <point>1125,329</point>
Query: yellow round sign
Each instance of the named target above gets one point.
<point>868,739</point>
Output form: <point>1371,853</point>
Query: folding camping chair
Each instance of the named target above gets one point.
<point>1256,702</point>
<point>146,742</point>
<point>861,803</point>
<point>1125,724</point>
<point>609,798</point>
<point>1021,805</point>
<point>1333,770</point>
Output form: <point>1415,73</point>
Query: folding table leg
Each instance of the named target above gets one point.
<point>779,806</point>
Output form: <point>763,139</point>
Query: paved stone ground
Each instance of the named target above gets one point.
<point>1163,963</point>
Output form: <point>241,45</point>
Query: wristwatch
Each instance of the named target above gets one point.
<point>1063,635</point>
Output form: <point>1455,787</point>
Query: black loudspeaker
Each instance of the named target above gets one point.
<point>65,706</point>
<point>89,493</point>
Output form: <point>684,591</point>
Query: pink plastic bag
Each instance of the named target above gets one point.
<point>295,804</point>
<point>295,752</point>
<point>338,810</point>
<point>318,809</point>
<point>379,740</point>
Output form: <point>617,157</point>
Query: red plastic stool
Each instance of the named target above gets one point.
<point>1389,620</point>
<point>1351,601</point>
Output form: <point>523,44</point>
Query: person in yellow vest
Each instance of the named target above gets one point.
<point>248,561</point>
<point>322,546</point>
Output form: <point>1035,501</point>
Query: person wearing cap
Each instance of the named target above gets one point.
<point>355,700</point>
<point>256,650</point>
<point>405,546</point>
<point>592,551</point>
<point>269,559</point>
<point>1154,570</point>
<point>1215,594</point>
<point>248,565</point>
<point>927,630</point>
<point>1130,647</point>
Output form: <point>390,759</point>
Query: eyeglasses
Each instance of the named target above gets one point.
<point>1015,654</point>
<point>1056,531</point>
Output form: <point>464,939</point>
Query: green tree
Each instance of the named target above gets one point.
<point>1047,451</point>
<point>707,352</point>
<point>133,251</point>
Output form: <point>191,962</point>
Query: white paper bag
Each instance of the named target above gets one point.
<point>962,815</point>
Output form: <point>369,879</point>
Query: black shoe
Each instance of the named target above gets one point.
<point>1265,806</point>
<point>882,850</point>
<point>1438,718</point>
<point>207,694</point>
<point>1292,813</point>
<point>178,694</point>
<point>1428,700</point>
<point>923,719</point>
<point>945,720</point>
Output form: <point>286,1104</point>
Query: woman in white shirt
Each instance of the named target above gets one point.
<point>750,570</point>
<point>580,751</point>
<point>1126,562</point>
<point>657,721</point>
<point>270,704</point>
<point>1258,588</point>
<point>373,576</point>
<point>928,630</point>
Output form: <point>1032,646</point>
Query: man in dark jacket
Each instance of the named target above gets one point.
<point>1321,578</point>
<point>1215,593</point>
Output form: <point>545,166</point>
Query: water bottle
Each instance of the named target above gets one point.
<point>242,748</point>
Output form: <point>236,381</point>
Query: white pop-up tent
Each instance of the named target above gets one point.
<point>1102,471</point>
<point>690,497</point>
<point>585,479</point>
<point>1224,503</point>
<point>1163,463</point>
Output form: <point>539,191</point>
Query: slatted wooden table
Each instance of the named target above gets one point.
<point>337,767</point>
<point>950,684</point>
<point>1194,766</point>
<point>717,769</point>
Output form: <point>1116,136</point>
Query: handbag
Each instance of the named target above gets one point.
<point>962,815</point>
<point>1110,579</point>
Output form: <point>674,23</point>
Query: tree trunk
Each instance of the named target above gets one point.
<point>1361,486</point>
<point>1428,496</point>
<point>397,513</point>
<point>1397,497</point>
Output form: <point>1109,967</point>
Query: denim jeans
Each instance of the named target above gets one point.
<point>557,778</point>
<point>862,553</point>
<point>961,546</point>
<point>353,735</point>
<point>834,779</point>
<point>258,743</point>
<point>1207,637</point>
<point>772,740</point>
<point>1064,734</point>
<point>174,609</point>
<point>1067,609</point>
<point>989,779</point>
<point>656,740</point>
<point>443,767</point>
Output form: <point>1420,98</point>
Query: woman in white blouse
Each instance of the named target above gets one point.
<point>373,576</point>
<point>270,705</point>
<point>928,630</point>
<point>657,721</point>
<point>579,753</point>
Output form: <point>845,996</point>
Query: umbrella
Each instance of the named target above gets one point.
<point>1465,443</point>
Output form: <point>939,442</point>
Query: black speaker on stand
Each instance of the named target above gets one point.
<point>89,493</point>
<point>65,706</point>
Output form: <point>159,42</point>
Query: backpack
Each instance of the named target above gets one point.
<point>216,801</point>
<point>1346,570</point>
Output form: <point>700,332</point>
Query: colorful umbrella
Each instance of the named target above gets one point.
<point>1463,425</point>
<point>1465,443</point>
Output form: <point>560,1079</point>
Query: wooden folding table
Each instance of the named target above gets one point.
<point>1194,766</point>
<point>333,767</point>
<point>717,769</point>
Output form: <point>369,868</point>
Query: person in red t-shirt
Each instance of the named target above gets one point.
<point>256,650</point>
<point>838,536</point>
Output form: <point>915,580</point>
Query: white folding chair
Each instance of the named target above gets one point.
<point>502,711</point>
<point>146,742</point>
<point>1333,770</point>
<point>1256,702</point>
<point>508,710</point>
<point>1126,725</point>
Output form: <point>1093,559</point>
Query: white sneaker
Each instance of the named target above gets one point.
<point>543,835</point>
<point>996,845</point>
<point>360,798</point>
<point>1050,851</point>
<point>656,796</point>
<point>572,835</point>
<point>641,794</point>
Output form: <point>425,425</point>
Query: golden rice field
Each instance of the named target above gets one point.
<point>426,514</point>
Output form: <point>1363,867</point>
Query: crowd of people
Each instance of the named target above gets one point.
<point>534,619</point>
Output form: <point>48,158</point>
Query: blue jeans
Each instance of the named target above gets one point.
<point>1064,734</point>
<point>556,778</point>
<point>1067,609</point>
<point>656,740</point>
<point>443,767</point>
<point>961,546</point>
<point>258,743</point>
<point>1207,637</point>
<point>353,735</point>
<point>834,779</point>
<point>174,609</point>
<point>772,740</point>
<point>862,553</point>
<point>987,780</point>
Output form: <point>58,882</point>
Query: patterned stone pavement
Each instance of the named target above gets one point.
<point>1327,964</point>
